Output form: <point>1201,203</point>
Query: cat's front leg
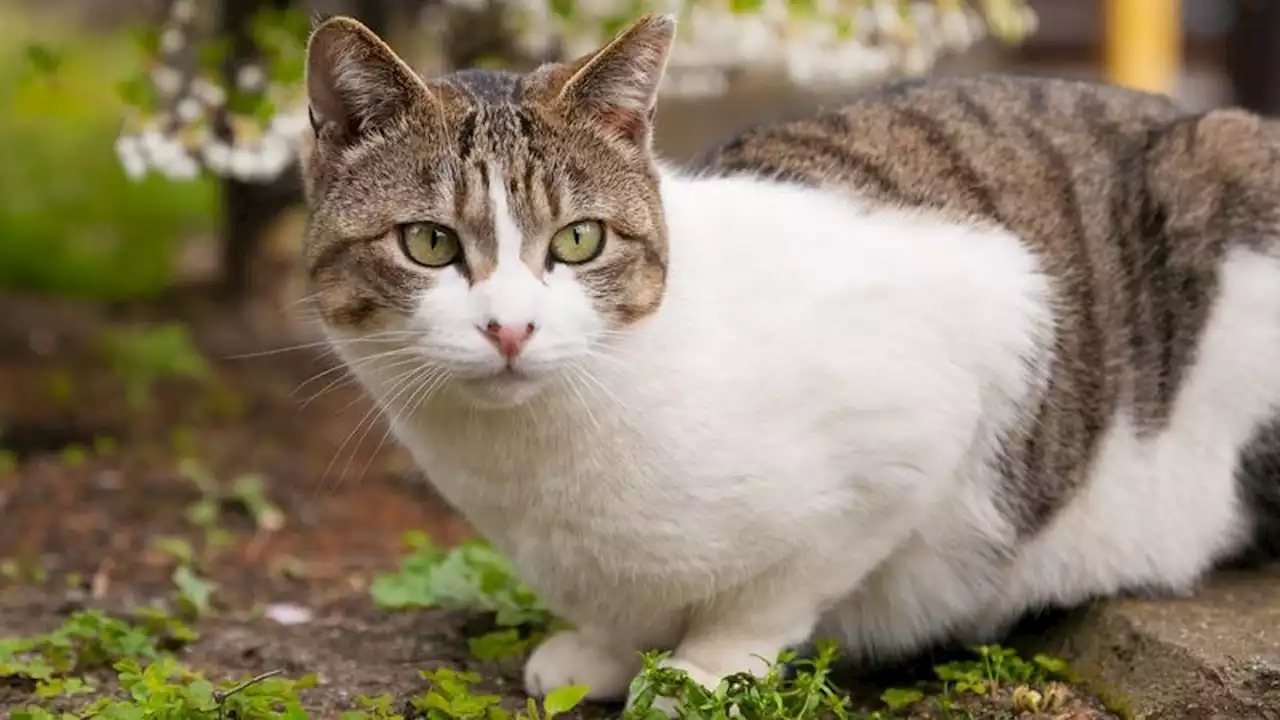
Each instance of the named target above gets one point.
<point>582,657</point>
<point>745,634</point>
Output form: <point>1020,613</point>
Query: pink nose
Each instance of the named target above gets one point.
<point>509,339</point>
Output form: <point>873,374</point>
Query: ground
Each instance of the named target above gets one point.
<point>94,483</point>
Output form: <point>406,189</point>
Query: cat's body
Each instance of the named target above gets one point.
<point>892,374</point>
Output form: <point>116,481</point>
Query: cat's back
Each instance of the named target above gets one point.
<point>1027,152</point>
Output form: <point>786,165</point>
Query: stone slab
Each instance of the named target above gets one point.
<point>1212,656</point>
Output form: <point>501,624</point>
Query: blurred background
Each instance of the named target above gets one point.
<point>154,357</point>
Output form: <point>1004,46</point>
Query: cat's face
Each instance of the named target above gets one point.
<point>495,227</point>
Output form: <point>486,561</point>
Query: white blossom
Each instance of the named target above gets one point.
<point>129,150</point>
<point>172,40</point>
<point>251,78</point>
<point>216,155</point>
<point>188,109</point>
<point>183,11</point>
<point>166,80</point>
<point>817,44</point>
<point>182,166</point>
<point>208,93</point>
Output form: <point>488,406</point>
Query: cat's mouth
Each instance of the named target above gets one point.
<point>504,388</point>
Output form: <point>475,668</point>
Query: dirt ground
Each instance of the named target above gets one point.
<point>88,526</point>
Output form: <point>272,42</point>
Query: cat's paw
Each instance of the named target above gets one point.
<point>574,658</point>
<point>706,678</point>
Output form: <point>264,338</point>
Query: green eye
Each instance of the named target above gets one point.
<point>578,243</point>
<point>429,244</point>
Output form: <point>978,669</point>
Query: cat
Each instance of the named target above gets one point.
<point>893,374</point>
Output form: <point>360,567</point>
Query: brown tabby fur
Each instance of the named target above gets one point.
<point>428,150</point>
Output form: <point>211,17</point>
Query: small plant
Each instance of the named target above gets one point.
<point>808,694</point>
<point>152,683</point>
<point>141,358</point>
<point>166,689</point>
<point>195,593</point>
<point>452,697</point>
<point>87,641</point>
<point>470,576</point>
<point>247,492</point>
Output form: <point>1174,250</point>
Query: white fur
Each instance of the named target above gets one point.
<point>801,439</point>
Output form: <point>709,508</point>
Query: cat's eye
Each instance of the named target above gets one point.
<point>430,244</point>
<point>578,243</point>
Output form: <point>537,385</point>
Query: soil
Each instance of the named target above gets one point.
<point>81,532</point>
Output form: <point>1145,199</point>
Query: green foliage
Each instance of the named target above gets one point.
<point>807,695</point>
<point>8,462</point>
<point>87,641</point>
<point>164,689</point>
<point>152,682</point>
<point>469,576</point>
<point>143,357</point>
<point>996,667</point>
<point>195,593</point>
<point>452,696</point>
<point>247,492</point>
<point>72,222</point>
<point>901,698</point>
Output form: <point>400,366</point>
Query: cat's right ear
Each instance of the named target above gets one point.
<point>356,83</point>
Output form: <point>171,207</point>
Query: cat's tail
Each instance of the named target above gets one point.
<point>1258,476</point>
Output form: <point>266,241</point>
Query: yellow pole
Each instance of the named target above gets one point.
<point>1144,43</point>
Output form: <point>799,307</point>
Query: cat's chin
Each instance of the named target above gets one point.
<point>501,391</point>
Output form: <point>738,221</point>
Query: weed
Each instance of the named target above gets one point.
<point>87,641</point>
<point>994,668</point>
<point>249,493</point>
<point>470,576</point>
<point>59,388</point>
<point>166,689</point>
<point>451,697</point>
<point>195,593</point>
<point>74,455</point>
<point>808,693</point>
<point>142,357</point>
<point>246,492</point>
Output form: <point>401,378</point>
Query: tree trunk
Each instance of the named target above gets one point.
<point>249,208</point>
<point>1253,55</point>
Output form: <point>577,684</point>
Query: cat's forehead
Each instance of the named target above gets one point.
<point>492,123</point>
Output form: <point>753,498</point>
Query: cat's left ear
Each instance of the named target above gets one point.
<point>617,86</point>
<point>356,84</point>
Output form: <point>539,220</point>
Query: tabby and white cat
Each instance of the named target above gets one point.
<point>893,374</point>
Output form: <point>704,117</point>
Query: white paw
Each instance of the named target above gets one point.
<point>572,658</point>
<point>699,675</point>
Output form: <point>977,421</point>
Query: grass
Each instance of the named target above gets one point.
<point>73,224</point>
<point>128,665</point>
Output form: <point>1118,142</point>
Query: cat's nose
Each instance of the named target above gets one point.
<point>509,339</point>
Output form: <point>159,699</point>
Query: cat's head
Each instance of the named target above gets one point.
<point>495,226</point>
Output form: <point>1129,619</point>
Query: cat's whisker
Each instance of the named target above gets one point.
<point>573,388</point>
<point>600,385</point>
<point>408,387</point>
<point>394,384</point>
<point>351,366</point>
<point>386,337</point>
<point>351,377</point>
<point>424,386</point>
